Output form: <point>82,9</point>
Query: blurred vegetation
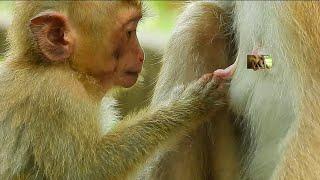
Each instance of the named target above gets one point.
<point>161,15</point>
<point>5,18</point>
<point>5,7</point>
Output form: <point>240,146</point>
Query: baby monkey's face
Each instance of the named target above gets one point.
<point>116,59</point>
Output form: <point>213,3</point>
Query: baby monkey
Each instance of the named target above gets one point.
<point>63,58</point>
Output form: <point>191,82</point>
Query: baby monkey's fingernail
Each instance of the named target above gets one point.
<point>226,73</point>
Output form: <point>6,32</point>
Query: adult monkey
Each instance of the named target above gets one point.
<point>278,108</point>
<point>63,57</point>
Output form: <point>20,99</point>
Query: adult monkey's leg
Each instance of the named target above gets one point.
<point>198,45</point>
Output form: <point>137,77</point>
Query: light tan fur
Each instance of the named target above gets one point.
<point>278,109</point>
<point>199,44</point>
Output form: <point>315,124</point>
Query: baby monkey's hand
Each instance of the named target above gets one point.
<point>207,93</point>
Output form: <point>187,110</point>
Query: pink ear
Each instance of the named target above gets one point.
<point>52,33</point>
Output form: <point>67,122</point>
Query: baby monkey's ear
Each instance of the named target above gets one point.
<point>52,33</point>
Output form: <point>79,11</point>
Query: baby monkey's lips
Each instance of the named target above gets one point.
<point>129,78</point>
<point>132,73</point>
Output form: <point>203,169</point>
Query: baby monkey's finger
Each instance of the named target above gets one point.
<point>222,84</point>
<point>207,77</point>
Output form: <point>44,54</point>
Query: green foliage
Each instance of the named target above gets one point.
<point>5,8</point>
<point>161,16</point>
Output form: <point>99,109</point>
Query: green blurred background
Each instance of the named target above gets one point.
<point>153,33</point>
<point>5,18</point>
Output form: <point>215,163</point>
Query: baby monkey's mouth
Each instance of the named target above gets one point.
<point>132,73</point>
